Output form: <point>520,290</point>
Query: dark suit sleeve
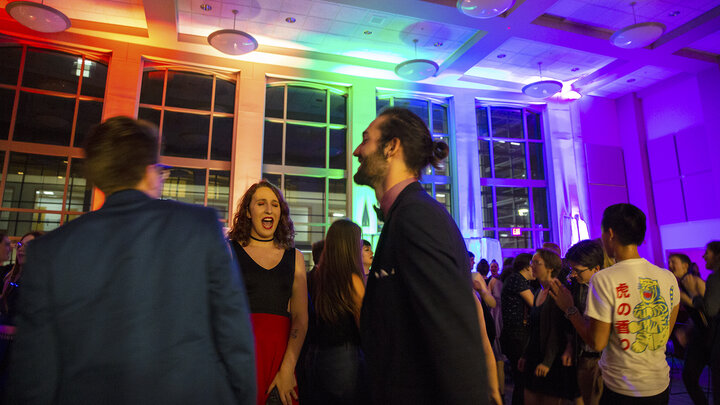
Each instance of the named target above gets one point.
<point>230,317</point>
<point>35,364</point>
<point>434,270</point>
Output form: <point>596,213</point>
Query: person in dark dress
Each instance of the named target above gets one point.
<point>262,237</point>
<point>332,366</point>
<point>516,300</point>
<point>548,380</point>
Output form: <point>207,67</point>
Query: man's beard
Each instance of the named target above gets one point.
<point>372,170</point>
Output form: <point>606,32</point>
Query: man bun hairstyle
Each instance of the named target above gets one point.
<point>627,222</point>
<point>419,148</point>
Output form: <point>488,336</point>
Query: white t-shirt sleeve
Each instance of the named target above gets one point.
<point>599,301</point>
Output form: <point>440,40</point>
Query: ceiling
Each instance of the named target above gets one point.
<point>566,39</point>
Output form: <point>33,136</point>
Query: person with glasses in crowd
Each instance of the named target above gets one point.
<point>585,258</point>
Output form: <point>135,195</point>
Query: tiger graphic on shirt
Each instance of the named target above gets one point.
<point>653,325</point>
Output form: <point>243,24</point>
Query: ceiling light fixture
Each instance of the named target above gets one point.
<point>416,69</point>
<point>637,35</point>
<point>290,20</point>
<point>38,16</point>
<point>542,88</point>
<point>205,7</point>
<point>232,42</point>
<point>484,8</point>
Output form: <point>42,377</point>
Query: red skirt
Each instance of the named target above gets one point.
<point>271,337</point>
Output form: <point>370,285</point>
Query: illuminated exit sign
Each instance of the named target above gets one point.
<point>516,232</point>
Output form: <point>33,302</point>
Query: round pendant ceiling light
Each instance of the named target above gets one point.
<point>416,69</point>
<point>637,35</point>
<point>484,8</point>
<point>232,42</point>
<point>38,16</point>
<point>542,88</point>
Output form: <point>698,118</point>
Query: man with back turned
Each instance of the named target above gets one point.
<point>139,302</point>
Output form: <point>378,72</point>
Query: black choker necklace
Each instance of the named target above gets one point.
<point>261,240</point>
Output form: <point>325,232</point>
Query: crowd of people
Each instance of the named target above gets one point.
<point>146,301</point>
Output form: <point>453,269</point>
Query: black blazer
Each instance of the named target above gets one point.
<point>139,302</point>
<point>419,324</point>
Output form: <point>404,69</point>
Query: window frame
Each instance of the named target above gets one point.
<point>529,184</point>
<point>69,152</point>
<point>433,179</point>
<point>208,164</point>
<point>326,173</point>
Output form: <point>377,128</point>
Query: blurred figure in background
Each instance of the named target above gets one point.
<point>696,339</point>
<point>516,301</point>
<point>367,258</point>
<point>585,258</point>
<point>495,286</point>
<point>8,303</point>
<point>5,253</point>
<point>332,366</point>
<point>317,249</point>
<point>548,379</point>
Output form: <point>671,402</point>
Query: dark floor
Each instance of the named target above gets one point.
<point>678,394</point>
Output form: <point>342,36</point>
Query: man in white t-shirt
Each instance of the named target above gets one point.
<point>631,308</point>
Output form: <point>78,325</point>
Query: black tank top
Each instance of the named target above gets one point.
<point>269,290</point>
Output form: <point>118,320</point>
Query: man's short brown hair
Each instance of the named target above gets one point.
<point>118,151</point>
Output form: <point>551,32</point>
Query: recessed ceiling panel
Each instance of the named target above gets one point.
<point>635,81</point>
<point>616,14</point>
<point>326,27</point>
<point>516,60</point>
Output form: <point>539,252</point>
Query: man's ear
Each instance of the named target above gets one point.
<point>392,147</point>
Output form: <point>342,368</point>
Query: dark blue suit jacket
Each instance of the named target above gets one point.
<point>419,324</point>
<point>139,302</point>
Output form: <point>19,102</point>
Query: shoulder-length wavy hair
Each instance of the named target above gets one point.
<point>331,285</point>
<point>242,223</point>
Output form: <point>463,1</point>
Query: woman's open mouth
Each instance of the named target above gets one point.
<point>267,222</point>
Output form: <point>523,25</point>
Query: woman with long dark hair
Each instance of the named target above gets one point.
<point>262,237</point>
<point>332,364</point>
